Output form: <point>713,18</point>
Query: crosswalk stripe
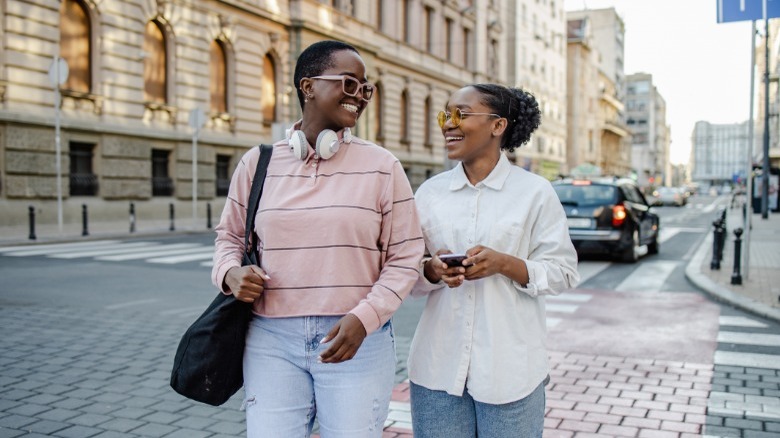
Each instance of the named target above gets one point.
<point>740,321</point>
<point>129,248</point>
<point>561,308</point>
<point>749,339</point>
<point>131,304</point>
<point>552,322</point>
<point>648,277</point>
<point>752,360</point>
<point>143,255</point>
<point>590,269</point>
<point>17,251</point>
<point>114,249</point>
<point>581,298</point>
<point>183,258</point>
<point>207,264</point>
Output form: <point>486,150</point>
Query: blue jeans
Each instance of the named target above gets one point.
<point>438,414</point>
<point>286,387</point>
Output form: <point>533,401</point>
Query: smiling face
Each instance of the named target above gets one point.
<point>477,135</point>
<point>329,107</point>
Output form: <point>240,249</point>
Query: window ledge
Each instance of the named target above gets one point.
<point>81,99</point>
<point>222,121</point>
<point>155,108</point>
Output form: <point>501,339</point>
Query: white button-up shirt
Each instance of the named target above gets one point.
<point>489,334</point>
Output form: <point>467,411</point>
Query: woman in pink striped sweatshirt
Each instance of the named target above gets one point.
<point>339,244</point>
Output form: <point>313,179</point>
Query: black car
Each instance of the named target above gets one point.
<point>608,216</point>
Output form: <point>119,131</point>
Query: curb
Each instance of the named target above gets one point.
<point>100,236</point>
<point>721,293</point>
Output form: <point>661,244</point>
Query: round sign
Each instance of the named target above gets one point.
<point>58,72</point>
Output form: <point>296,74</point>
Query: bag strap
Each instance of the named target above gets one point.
<point>254,196</point>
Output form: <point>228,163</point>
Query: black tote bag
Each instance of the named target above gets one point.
<point>208,366</point>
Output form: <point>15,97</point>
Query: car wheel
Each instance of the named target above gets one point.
<point>630,255</point>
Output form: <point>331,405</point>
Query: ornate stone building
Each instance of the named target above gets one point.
<point>138,70</point>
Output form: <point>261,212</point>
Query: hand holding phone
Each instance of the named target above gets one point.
<point>453,260</point>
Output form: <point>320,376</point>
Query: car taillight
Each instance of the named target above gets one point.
<point>618,215</point>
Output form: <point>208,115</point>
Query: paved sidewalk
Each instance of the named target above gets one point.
<point>759,292</point>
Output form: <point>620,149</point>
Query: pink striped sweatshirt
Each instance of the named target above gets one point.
<point>336,236</point>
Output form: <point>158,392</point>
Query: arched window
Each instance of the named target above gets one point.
<point>75,45</point>
<point>218,77</point>
<point>404,108</point>
<point>427,120</point>
<point>268,90</point>
<point>155,64</point>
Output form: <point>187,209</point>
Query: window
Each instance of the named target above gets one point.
<point>75,45</point>
<point>404,18</point>
<point>427,120</point>
<point>380,23</point>
<point>155,64</point>
<point>448,39</point>
<point>466,48</point>
<point>428,31</point>
<point>378,108</point>
<point>268,90</point>
<point>404,107</point>
<point>223,174</point>
<point>83,182</point>
<point>162,184</point>
<point>218,77</point>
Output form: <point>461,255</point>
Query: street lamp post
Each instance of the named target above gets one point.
<point>58,74</point>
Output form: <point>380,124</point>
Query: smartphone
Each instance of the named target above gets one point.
<point>453,260</point>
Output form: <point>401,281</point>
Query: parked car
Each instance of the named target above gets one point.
<point>668,196</point>
<point>608,216</point>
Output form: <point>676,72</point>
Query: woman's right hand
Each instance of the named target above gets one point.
<point>436,270</point>
<point>246,283</point>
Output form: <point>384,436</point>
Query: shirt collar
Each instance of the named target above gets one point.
<point>495,180</point>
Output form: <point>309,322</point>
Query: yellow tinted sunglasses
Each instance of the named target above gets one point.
<point>457,116</point>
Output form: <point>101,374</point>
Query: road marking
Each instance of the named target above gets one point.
<point>749,339</point>
<point>648,277</point>
<point>114,249</point>
<point>740,321</point>
<point>752,360</point>
<point>552,322</point>
<point>209,254</point>
<point>561,308</point>
<point>131,304</point>
<point>208,264</point>
<point>588,270</point>
<point>569,297</point>
<point>20,251</point>
<point>143,255</point>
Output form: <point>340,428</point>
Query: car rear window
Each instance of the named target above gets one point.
<point>585,195</point>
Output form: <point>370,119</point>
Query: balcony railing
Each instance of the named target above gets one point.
<point>83,184</point>
<point>162,186</point>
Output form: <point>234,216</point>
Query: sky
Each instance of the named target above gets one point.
<point>700,67</point>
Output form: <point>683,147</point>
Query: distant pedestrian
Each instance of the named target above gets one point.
<point>339,246</point>
<point>478,361</point>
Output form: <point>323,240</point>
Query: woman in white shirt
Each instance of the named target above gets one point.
<point>478,361</point>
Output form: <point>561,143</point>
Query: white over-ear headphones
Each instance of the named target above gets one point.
<point>327,144</point>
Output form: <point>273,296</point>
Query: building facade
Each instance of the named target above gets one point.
<point>139,70</point>
<point>536,61</point>
<point>719,153</point>
<point>646,118</point>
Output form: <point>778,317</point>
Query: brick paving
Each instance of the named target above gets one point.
<point>62,374</point>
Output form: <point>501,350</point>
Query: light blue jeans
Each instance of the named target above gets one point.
<point>286,387</point>
<point>438,414</point>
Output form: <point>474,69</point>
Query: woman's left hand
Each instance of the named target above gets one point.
<point>345,337</point>
<point>483,262</point>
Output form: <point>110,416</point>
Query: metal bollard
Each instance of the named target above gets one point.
<point>208,215</point>
<point>84,231</point>
<point>717,244</point>
<point>132,217</point>
<point>736,276</point>
<point>170,209</point>
<point>32,222</point>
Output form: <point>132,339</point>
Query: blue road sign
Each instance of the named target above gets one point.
<point>746,10</point>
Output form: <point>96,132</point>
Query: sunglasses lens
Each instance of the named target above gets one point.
<point>441,118</point>
<point>457,117</point>
<point>368,91</point>
<point>350,86</point>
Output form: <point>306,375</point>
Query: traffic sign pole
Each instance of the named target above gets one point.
<point>58,74</point>
<point>197,118</point>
